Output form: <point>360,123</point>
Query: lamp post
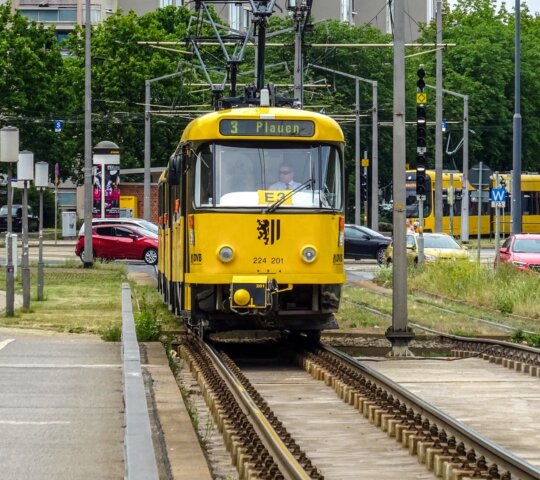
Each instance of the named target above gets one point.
<point>9,153</point>
<point>374,147</point>
<point>25,173</point>
<point>41,182</point>
<point>147,138</point>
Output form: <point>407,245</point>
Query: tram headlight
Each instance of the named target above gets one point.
<point>225,254</point>
<point>309,254</point>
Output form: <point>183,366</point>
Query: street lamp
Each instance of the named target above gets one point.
<point>25,173</point>
<point>41,183</point>
<point>9,153</point>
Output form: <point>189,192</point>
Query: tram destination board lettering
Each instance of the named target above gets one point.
<point>267,128</point>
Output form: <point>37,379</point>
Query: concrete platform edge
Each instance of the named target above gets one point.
<point>139,456</point>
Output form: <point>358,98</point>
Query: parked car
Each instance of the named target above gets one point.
<point>522,251</point>
<point>16,218</point>
<point>140,222</point>
<point>115,241</point>
<point>437,246</point>
<point>362,242</point>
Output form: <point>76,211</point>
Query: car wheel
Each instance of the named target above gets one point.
<point>150,256</point>
<point>81,255</point>
<point>380,255</point>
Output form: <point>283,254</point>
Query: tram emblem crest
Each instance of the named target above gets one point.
<point>269,231</point>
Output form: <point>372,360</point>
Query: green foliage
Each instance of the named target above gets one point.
<point>112,333</point>
<point>531,339</point>
<point>148,322</point>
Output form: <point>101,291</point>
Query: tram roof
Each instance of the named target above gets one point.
<point>207,127</point>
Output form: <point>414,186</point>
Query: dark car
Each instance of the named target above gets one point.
<point>16,218</point>
<point>362,242</point>
<point>116,242</point>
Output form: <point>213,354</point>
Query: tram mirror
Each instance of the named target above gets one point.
<point>175,166</point>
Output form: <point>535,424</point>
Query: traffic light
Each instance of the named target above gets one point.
<point>421,143</point>
<point>363,188</point>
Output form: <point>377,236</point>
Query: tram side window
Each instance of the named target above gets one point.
<point>204,177</point>
<point>331,178</point>
<point>534,202</point>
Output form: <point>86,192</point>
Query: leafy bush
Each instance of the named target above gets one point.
<point>147,321</point>
<point>112,333</point>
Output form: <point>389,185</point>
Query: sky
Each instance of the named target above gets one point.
<point>534,5</point>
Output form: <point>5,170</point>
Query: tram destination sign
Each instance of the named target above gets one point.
<point>267,128</point>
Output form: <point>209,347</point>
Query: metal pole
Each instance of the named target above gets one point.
<point>103,190</point>
<point>438,125</point>
<point>399,334</point>
<point>10,277</point>
<point>147,174</point>
<point>25,270</point>
<point>421,257</point>
<point>374,161</point>
<point>465,181</point>
<point>298,63</point>
<point>479,219</point>
<point>516,151</point>
<point>357,201</point>
<point>497,225</point>
<point>88,194</point>
<point>40,257</point>
<point>451,204</point>
<point>366,202</point>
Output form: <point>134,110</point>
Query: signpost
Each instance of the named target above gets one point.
<point>498,200</point>
<point>480,179</point>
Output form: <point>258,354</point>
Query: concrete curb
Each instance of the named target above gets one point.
<point>139,456</point>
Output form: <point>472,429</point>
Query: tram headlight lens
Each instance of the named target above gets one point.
<point>309,254</point>
<point>226,254</point>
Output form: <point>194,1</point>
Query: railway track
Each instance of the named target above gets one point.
<point>315,437</point>
<point>521,358</point>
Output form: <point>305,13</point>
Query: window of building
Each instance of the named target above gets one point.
<point>67,15</point>
<point>235,16</point>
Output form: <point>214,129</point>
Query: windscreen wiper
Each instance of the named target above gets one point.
<point>272,208</point>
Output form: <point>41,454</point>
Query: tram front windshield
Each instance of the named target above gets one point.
<point>257,174</point>
<point>412,203</point>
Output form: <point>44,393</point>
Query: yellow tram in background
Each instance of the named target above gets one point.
<point>530,204</point>
<point>244,243</point>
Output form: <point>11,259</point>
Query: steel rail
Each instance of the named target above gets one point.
<point>288,465</point>
<point>517,467</point>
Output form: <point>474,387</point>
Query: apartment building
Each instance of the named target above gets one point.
<point>65,14</point>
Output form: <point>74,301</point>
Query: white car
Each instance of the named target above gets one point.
<point>140,222</point>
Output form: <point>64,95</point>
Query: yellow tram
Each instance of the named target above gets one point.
<point>251,222</point>
<point>530,204</point>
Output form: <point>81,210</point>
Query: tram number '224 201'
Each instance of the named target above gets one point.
<point>268,261</point>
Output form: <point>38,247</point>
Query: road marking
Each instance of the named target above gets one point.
<point>53,365</point>
<point>5,343</point>
<point>27,422</point>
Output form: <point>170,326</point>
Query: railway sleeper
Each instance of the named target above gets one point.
<point>441,454</point>
<point>513,364</point>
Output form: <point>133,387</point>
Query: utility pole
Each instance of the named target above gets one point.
<point>374,147</point>
<point>147,143</point>
<point>438,124</point>
<point>399,334</point>
<point>516,151</point>
<point>88,198</point>
<point>465,180</point>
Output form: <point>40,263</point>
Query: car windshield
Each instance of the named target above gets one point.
<point>259,174</point>
<point>144,231</point>
<point>527,245</point>
<point>4,210</point>
<point>440,241</point>
<point>148,226</point>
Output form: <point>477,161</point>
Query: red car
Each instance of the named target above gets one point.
<point>522,251</point>
<point>113,242</point>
